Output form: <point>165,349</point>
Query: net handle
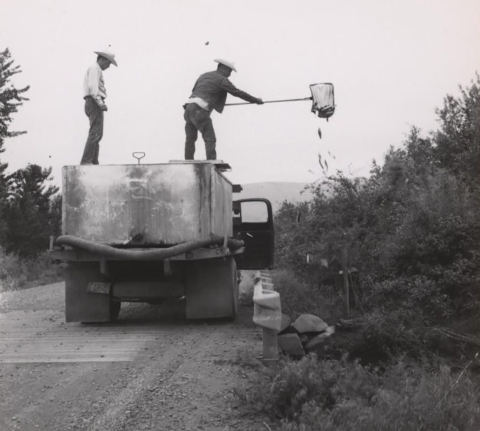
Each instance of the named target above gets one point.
<point>270,101</point>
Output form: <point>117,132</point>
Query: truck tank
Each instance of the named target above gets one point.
<point>146,233</point>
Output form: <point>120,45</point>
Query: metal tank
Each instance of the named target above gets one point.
<point>146,233</point>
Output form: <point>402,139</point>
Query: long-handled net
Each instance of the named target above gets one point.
<point>323,98</point>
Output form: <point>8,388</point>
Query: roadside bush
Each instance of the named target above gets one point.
<point>417,294</point>
<point>440,225</point>
<point>17,273</point>
<point>412,231</point>
<point>384,336</point>
<point>314,395</point>
<point>298,297</point>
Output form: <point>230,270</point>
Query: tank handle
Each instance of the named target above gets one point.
<point>138,155</point>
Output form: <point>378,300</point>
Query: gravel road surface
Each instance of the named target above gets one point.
<point>152,370</point>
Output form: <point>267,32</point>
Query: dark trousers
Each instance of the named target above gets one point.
<point>197,119</point>
<point>92,146</point>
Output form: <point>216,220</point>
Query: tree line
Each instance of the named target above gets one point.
<point>30,208</point>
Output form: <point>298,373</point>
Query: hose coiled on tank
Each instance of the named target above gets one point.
<point>151,254</point>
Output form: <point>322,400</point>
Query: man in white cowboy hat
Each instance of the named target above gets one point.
<point>209,93</point>
<point>95,94</point>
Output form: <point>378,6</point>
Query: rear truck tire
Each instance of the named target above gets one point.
<point>211,289</point>
<point>82,306</point>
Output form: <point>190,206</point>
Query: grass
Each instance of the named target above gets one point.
<point>315,395</point>
<point>17,273</point>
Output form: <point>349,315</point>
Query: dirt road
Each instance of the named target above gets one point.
<point>152,370</point>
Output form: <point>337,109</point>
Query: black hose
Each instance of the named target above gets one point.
<point>151,254</point>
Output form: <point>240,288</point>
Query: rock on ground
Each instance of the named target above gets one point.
<point>291,344</point>
<point>309,323</point>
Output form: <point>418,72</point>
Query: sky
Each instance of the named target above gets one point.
<point>391,63</point>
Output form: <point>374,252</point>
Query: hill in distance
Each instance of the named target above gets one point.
<point>275,192</point>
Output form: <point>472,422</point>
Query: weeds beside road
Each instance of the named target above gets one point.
<point>362,384</point>
<point>331,395</point>
<point>21,273</point>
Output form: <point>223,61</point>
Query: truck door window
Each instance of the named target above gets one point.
<point>252,212</point>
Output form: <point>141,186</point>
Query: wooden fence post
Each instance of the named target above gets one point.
<point>345,280</point>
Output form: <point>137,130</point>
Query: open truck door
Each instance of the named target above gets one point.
<point>253,223</point>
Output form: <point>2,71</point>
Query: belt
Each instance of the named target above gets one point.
<point>90,97</point>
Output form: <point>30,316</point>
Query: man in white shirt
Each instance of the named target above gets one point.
<point>95,94</point>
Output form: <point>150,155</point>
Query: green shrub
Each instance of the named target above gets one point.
<point>313,395</point>
<point>412,231</point>
<point>17,273</point>
<point>417,294</point>
<point>384,336</point>
<point>297,297</point>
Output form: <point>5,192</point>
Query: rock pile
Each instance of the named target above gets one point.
<point>307,334</point>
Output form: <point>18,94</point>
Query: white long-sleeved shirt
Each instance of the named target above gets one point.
<point>94,85</point>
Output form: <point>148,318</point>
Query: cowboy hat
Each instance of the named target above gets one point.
<point>227,63</point>
<point>109,55</point>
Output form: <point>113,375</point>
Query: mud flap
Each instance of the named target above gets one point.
<point>81,305</point>
<point>211,289</point>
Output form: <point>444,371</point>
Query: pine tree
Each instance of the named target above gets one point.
<point>11,98</point>
<point>31,215</point>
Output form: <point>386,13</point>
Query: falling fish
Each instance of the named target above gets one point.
<point>320,133</point>
<point>320,161</point>
<point>324,168</point>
